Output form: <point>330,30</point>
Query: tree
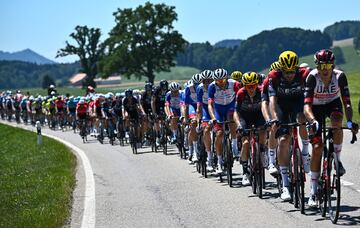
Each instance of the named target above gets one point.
<point>88,49</point>
<point>47,80</point>
<point>357,43</point>
<point>142,42</point>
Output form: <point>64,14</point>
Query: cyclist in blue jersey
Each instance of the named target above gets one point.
<point>222,98</point>
<point>172,107</point>
<point>189,109</point>
<point>202,111</point>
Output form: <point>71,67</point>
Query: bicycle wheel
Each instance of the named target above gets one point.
<point>227,150</point>
<point>252,167</point>
<point>258,173</point>
<point>334,189</point>
<point>300,183</point>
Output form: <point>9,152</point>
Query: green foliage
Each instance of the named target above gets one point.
<point>255,53</point>
<point>142,42</point>
<point>47,81</point>
<point>88,49</point>
<point>357,42</point>
<point>17,74</point>
<point>36,181</point>
<point>339,55</point>
<point>343,30</point>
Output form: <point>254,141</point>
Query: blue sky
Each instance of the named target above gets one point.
<point>45,25</point>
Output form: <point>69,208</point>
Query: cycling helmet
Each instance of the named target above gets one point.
<point>90,89</point>
<point>304,65</point>
<point>288,60</point>
<point>31,98</point>
<point>275,66</point>
<point>129,92</point>
<point>261,78</point>
<point>250,78</point>
<point>220,74</point>
<point>117,94</point>
<point>196,78</point>
<point>164,84</point>
<point>71,98</point>
<point>174,86</point>
<point>324,56</point>
<point>236,75</point>
<point>107,96</point>
<point>52,93</point>
<point>82,101</point>
<point>148,86</point>
<point>207,74</point>
<point>51,86</point>
<point>59,97</point>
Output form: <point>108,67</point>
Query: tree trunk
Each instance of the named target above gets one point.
<point>151,77</point>
<point>89,81</point>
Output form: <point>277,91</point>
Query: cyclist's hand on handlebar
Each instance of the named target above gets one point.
<point>312,127</point>
<point>212,122</point>
<point>275,124</point>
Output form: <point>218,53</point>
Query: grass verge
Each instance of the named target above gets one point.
<point>36,182</point>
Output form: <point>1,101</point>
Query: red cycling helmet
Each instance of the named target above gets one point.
<point>324,56</point>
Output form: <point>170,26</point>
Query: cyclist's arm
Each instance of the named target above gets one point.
<point>345,96</point>
<point>153,104</point>
<point>265,100</point>
<point>199,97</point>
<point>273,100</point>
<point>310,84</point>
<point>211,95</point>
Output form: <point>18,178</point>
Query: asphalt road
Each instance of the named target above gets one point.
<point>154,190</point>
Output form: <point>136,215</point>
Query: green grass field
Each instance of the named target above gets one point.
<point>36,182</point>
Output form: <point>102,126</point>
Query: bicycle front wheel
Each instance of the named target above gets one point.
<point>334,189</point>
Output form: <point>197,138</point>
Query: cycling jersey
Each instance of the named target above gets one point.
<point>146,101</point>
<point>81,109</point>
<point>159,99</point>
<point>106,108</point>
<point>223,99</point>
<point>249,108</point>
<point>317,94</point>
<point>60,104</point>
<point>131,107</point>
<point>118,107</point>
<point>202,96</point>
<point>173,102</point>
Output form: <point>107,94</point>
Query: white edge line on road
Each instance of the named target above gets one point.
<point>88,219</point>
<point>346,183</point>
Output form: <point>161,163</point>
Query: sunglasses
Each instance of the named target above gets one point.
<point>289,72</point>
<point>251,87</point>
<point>221,81</point>
<point>207,81</point>
<point>325,66</point>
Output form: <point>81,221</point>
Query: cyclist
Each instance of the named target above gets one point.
<point>236,75</point>
<point>52,89</point>
<point>132,110</point>
<point>71,109</point>
<point>145,103</point>
<point>189,109</point>
<point>326,87</point>
<point>248,113</point>
<point>172,108</point>
<point>81,111</point>
<point>286,91</point>
<point>222,99</point>
<point>202,111</point>
<point>157,106</point>
<point>275,66</point>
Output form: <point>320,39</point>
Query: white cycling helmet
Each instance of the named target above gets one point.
<point>174,86</point>
<point>207,74</point>
<point>220,74</point>
<point>196,78</point>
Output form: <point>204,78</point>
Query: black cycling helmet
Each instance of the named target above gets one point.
<point>128,93</point>
<point>164,84</point>
<point>148,86</point>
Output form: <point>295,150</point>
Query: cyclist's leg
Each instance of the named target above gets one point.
<point>232,126</point>
<point>193,137</point>
<point>336,117</point>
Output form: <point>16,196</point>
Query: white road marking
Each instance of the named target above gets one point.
<point>88,219</point>
<point>346,183</point>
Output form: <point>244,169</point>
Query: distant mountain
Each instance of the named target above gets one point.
<point>26,55</point>
<point>230,43</point>
<point>343,30</point>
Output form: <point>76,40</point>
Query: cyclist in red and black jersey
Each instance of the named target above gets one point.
<point>286,91</point>
<point>326,87</point>
<point>248,113</point>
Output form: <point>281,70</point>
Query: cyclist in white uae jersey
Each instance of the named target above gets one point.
<point>325,88</point>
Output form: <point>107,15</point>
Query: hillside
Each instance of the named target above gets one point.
<point>352,60</point>
<point>26,55</point>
